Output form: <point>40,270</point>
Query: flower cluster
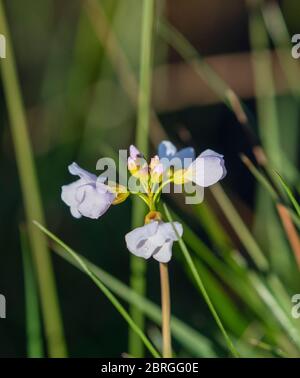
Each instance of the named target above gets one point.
<point>91,196</point>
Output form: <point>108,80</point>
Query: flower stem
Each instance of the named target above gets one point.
<point>166,310</point>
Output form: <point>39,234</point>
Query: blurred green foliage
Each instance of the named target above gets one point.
<point>78,110</point>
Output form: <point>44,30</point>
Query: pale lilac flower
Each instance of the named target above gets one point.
<point>156,169</point>
<point>137,165</point>
<point>134,153</point>
<point>178,159</point>
<point>154,239</point>
<point>88,196</point>
<point>207,169</point>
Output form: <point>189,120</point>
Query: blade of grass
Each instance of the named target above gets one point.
<point>234,273</point>
<point>289,193</point>
<point>31,197</point>
<point>34,337</point>
<point>114,301</point>
<point>265,92</point>
<point>260,177</point>
<point>202,287</point>
<point>267,228</point>
<point>212,226</point>
<point>239,227</point>
<point>190,54</point>
<point>283,212</point>
<point>279,34</point>
<point>290,231</point>
<point>120,62</point>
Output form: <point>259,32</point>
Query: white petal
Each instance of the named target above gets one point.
<point>213,153</point>
<point>167,229</point>
<point>74,169</point>
<point>75,212</point>
<point>138,241</point>
<point>206,171</point>
<point>209,152</point>
<point>164,254</point>
<point>68,192</point>
<point>94,204</point>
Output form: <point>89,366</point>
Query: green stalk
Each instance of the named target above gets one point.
<point>289,194</point>
<point>278,31</point>
<point>138,266</point>
<point>31,197</point>
<point>201,287</point>
<point>265,91</point>
<point>267,228</point>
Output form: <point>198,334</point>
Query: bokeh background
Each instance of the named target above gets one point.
<point>78,110</point>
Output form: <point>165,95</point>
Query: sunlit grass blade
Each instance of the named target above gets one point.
<point>34,337</point>
<point>289,193</point>
<point>290,231</point>
<point>110,296</point>
<point>212,226</point>
<point>265,91</point>
<point>202,288</point>
<point>31,197</point>
<point>260,177</point>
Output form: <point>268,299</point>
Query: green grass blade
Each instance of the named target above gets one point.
<point>109,295</point>
<point>202,288</point>
<point>267,229</point>
<point>279,34</point>
<point>138,266</point>
<point>173,37</point>
<point>260,177</point>
<point>31,197</point>
<point>289,193</point>
<point>34,338</point>
<point>212,226</point>
<point>239,227</point>
<point>265,91</point>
